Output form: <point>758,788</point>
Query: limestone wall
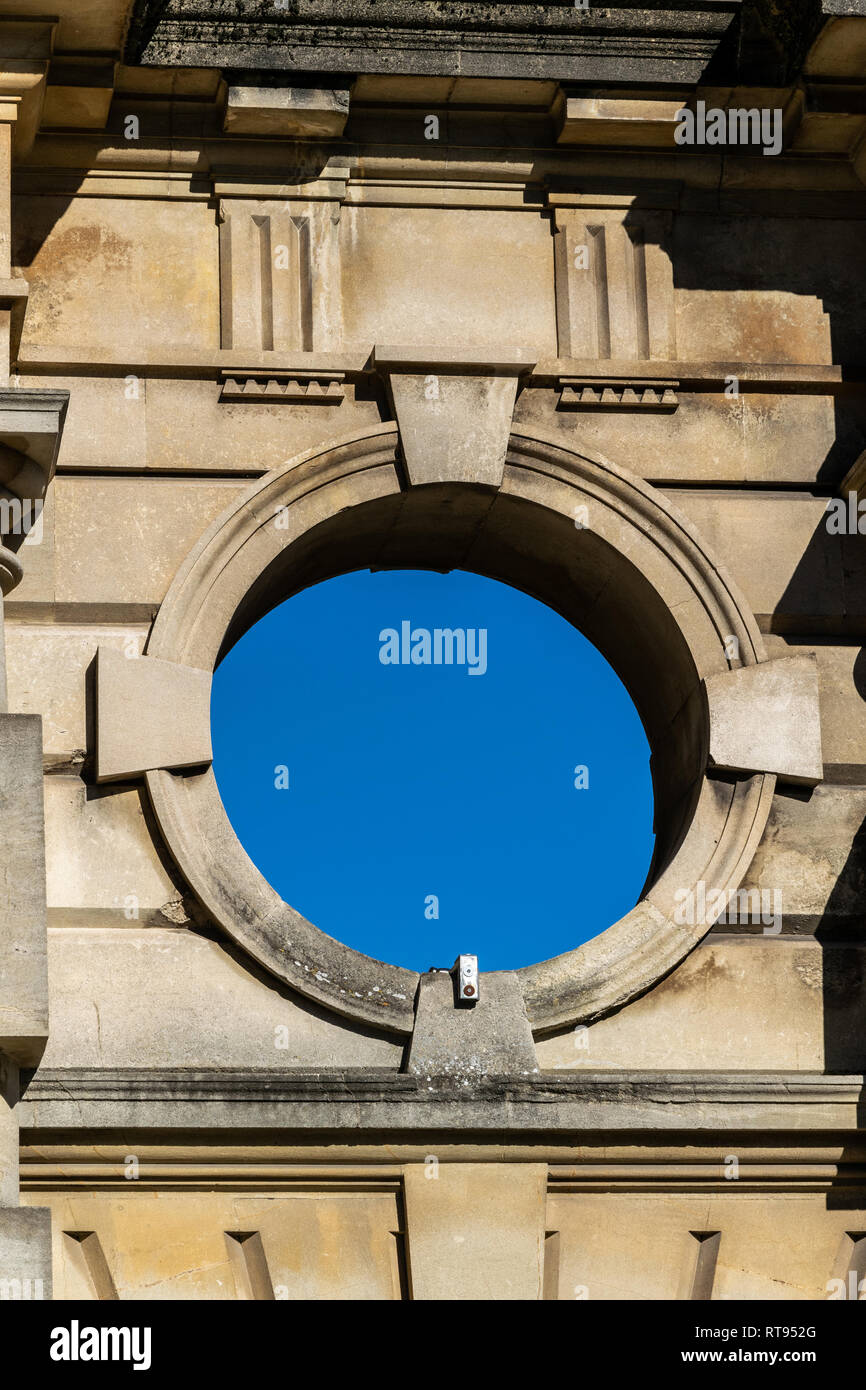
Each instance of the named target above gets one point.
<point>220,299</point>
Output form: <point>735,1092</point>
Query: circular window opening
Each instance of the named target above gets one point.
<point>437,763</point>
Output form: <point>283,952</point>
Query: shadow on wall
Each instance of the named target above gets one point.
<point>764,256</point>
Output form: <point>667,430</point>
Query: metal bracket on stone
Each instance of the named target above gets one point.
<point>493,1038</point>
<point>766,718</point>
<point>150,714</point>
<point>454,409</point>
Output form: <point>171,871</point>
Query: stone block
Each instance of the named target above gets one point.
<point>116,256</point>
<point>475,1231</point>
<point>291,112</point>
<point>102,863</point>
<point>23,969</point>
<point>491,1036</point>
<point>461,278</point>
<point>454,410</point>
<point>765,718</point>
<point>149,714</point>
<point>25,1253</point>
<point>146,527</point>
<point>149,996</point>
<point>47,667</point>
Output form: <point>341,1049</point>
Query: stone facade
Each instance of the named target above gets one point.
<point>433,284</point>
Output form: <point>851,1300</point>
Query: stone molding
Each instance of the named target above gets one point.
<point>417,36</point>
<point>637,570</point>
<point>559,1103</point>
<point>300,387</point>
<point>618,393</point>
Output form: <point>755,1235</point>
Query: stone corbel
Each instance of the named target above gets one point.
<point>294,113</point>
<point>79,92</point>
<point>454,409</point>
<point>766,718</point>
<point>25,52</point>
<point>150,714</point>
<point>31,424</point>
<point>593,120</point>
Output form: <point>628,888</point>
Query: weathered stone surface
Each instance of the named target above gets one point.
<point>183,1248</point>
<point>373,1100</point>
<point>203,271</point>
<point>765,718</point>
<point>479,40</point>
<point>103,866</point>
<point>491,1036</point>
<point>23,969</point>
<point>636,1246</point>
<point>149,714</point>
<point>111,250</point>
<point>477,281</point>
<point>213,1011</point>
<point>458,1245</point>
<point>814,854</point>
<point>47,670</point>
<point>8,1133</point>
<point>454,427</point>
<point>292,112</point>
<point>810,996</point>
<point>25,1253</point>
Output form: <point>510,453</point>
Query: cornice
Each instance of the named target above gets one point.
<point>376,1099</point>
<point>506,40</point>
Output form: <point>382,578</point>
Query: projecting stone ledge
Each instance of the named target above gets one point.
<point>149,714</point>
<point>290,112</point>
<point>766,718</point>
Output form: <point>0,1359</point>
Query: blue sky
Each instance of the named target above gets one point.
<point>412,783</point>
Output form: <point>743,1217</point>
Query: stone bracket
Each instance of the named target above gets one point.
<point>766,718</point>
<point>31,425</point>
<point>491,1038</point>
<point>454,410</point>
<point>150,714</point>
<point>293,113</point>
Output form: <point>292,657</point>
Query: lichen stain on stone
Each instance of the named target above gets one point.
<point>85,243</point>
<point>690,976</point>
